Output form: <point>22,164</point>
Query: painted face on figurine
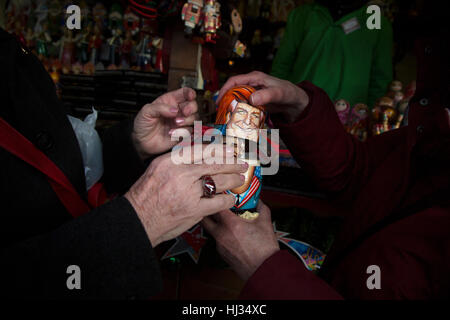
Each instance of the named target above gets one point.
<point>385,102</point>
<point>361,110</point>
<point>244,122</point>
<point>396,86</point>
<point>236,21</point>
<point>341,105</point>
<point>398,96</point>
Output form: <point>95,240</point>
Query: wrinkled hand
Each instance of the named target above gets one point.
<point>157,120</point>
<point>243,244</point>
<point>279,96</point>
<point>168,197</point>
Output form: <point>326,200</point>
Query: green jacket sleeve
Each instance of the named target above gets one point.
<point>381,73</point>
<point>287,53</point>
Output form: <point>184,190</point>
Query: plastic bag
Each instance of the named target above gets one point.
<point>90,146</point>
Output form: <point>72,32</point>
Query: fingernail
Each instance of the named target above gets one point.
<point>242,177</point>
<point>244,166</point>
<point>179,121</point>
<point>255,98</point>
<point>173,110</point>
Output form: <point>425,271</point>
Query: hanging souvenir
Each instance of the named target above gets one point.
<point>241,122</point>
<point>236,21</point>
<point>211,20</point>
<point>239,48</point>
<point>191,14</point>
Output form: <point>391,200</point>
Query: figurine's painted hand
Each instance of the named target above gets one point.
<point>157,120</point>
<point>243,244</point>
<point>279,96</point>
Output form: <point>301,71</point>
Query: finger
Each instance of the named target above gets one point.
<point>182,95</point>
<point>199,170</point>
<point>158,110</point>
<point>265,96</point>
<point>210,225</point>
<point>215,204</point>
<point>254,78</point>
<point>188,108</point>
<point>179,121</point>
<point>197,155</point>
<point>225,182</point>
<point>184,132</point>
<point>264,211</point>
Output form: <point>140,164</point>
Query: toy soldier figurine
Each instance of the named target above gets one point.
<point>191,14</point>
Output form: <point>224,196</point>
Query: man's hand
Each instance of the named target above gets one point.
<point>279,96</point>
<point>156,121</point>
<point>243,244</point>
<point>168,198</point>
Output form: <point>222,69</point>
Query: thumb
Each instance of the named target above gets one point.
<point>264,211</point>
<point>160,110</point>
<point>210,225</point>
<point>267,96</point>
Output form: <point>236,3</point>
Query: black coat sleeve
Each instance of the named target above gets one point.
<point>110,247</point>
<point>122,164</point>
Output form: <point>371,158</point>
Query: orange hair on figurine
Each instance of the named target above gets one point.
<point>238,94</point>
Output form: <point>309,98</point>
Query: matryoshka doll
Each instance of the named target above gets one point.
<point>343,110</point>
<point>358,121</point>
<point>239,119</point>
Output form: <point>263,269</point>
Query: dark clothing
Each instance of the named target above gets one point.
<point>39,238</point>
<point>374,180</point>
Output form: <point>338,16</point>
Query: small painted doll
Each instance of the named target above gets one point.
<point>343,110</point>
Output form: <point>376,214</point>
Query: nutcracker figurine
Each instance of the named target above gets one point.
<point>191,14</point>
<point>237,118</point>
<point>95,43</point>
<point>67,50</point>
<point>131,21</point>
<point>126,48</point>
<point>144,52</point>
<point>211,20</point>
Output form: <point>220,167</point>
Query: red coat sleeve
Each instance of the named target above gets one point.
<point>336,161</point>
<point>284,277</point>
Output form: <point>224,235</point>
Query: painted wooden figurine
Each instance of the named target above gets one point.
<point>237,118</point>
